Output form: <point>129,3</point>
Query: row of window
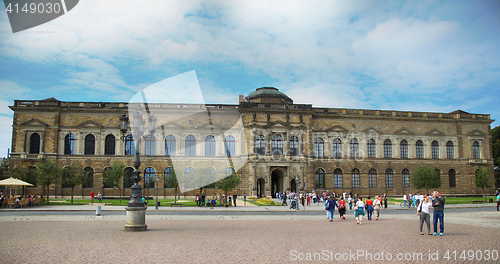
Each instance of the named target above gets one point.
<point>319,175</point>
<point>260,146</point>
<point>419,149</point>
<point>149,144</point>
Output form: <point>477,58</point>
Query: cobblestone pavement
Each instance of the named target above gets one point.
<point>249,239</point>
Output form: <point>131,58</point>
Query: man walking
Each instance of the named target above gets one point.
<point>234,199</point>
<point>92,195</point>
<point>438,204</point>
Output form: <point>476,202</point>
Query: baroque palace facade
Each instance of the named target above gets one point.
<point>368,152</point>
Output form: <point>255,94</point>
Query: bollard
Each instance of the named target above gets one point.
<point>98,210</point>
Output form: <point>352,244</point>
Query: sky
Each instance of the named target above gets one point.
<point>432,56</point>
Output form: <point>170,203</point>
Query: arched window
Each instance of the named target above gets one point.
<point>450,152</point>
<point>387,149</point>
<point>127,177</point>
<point>69,144</point>
<point>210,146</point>
<point>435,149</point>
<point>419,149</point>
<point>89,145</point>
<point>277,145</point>
<point>371,148</point>
<point>319,174</point>
<point>210,177</point>
<point>105,176</point>
<point>475,150</point>
<point>109,145</point>
<point>405,174</point>
<point>35,143</point>
<point>294,146</point>
<point>337,148</point>
<point>149,177</point>
<point>337,178</point>
<point>129,145</point>
<point>89,183</point>
<point>170,145</point>
<point>354,147</point>
<point>452,177</point>
<point>150,145</point>
<point>389,183</point>
<point>318,147</point>
<point>190,146</point>
<point>260,145</point>
<point>403,146</point>
<point>166,175</point>
<point>355,178</point>
<point>372,178</point>
<point>229,144</point>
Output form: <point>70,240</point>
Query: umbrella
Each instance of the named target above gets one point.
<point>14,182</point>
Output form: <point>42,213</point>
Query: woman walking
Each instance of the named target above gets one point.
<point>359,210</point>
<point>342,208</point>
<point>423,212</point>
<point>330,207</point>
<point>377,206</point>
<point>369,207</point>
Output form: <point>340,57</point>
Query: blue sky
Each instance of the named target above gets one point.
<point>417,55</point>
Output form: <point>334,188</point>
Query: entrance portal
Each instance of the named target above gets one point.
<point>276,182</point>
<point>293,186</point>
<point>260,188</point>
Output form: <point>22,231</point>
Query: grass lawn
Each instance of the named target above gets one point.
<point>59,201</point>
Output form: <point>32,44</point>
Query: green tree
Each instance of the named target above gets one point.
<point>29,175</point>
<point>73,175</point>
<point>481,180</point>
<point>172,181</point>
<point>495,138</point>
<point>113,177</point>
<point>48,173</point>
<point>426,178</point>
<point>228,184</point>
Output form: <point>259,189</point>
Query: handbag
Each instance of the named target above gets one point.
<point>355,208</point>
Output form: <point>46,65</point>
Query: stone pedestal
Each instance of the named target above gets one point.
<point>136,219</point>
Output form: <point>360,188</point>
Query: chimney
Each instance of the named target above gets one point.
<point>241,99</point>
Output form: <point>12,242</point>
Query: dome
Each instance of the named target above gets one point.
<point>269,95</point>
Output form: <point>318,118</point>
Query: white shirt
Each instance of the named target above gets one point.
<point>425,207</point>
<point>404,197</point>
<point>360,204</point>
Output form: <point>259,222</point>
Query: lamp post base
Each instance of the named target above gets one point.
<point>136,219</point>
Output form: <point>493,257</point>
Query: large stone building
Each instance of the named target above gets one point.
<point>334,149</point>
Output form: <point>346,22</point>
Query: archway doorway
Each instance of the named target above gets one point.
<point>293,185</point>
<point>276,182</point>
<point>260,188</point>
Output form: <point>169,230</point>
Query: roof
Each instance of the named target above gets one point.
<point>267,92</point>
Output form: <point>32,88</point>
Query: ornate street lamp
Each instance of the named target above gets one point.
<point>136,211</point>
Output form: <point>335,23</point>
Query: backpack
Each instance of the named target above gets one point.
<point>342,206</point>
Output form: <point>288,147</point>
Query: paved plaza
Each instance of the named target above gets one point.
<point>201,236</point>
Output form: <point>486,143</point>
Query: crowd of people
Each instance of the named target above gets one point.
<point>18,201</point>
<point>217,200</point>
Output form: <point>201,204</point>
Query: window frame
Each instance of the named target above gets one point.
<point>319,178</point>
<point>69,144</point>
<point>355,181</point>
<point>403,148</point>
<point>190,146</point>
